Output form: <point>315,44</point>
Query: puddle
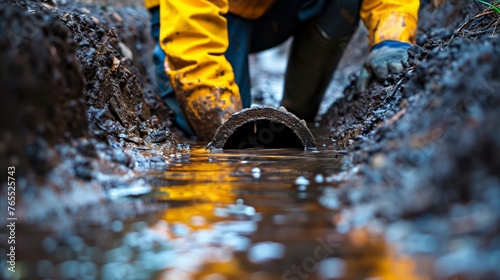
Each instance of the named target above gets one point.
<point>242,214</point>
<point>259,214</point>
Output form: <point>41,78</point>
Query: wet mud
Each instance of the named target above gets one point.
<point>405,183</point>
<point>425,143</point>
<point>78,107</point>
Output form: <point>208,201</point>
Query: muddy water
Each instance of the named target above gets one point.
<point>248,214</point>
<point>261,214</point>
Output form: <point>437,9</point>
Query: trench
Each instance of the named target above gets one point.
<point>92,210</point>
<point>237,214</point>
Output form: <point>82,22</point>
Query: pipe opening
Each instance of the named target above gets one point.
<point>262,127</point>
<point>263,134</point>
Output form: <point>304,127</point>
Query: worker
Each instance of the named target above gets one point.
<point>207,44</point>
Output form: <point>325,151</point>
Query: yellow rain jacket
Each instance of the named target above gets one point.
<point>195,38</point>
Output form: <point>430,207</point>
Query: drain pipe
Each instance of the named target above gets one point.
<point>262,127</point>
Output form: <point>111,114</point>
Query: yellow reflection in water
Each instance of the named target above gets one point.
<point>375,259</point>
<point>198,180</point>
<point>196,192</point>
<point>196,188</point>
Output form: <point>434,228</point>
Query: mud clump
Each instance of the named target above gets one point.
<point>118,93</point>
<point>43,101</point>
<point>78,105</point>
<point>426,143</point>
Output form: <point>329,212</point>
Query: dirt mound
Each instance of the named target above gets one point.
<point>43,101</point>
<point>116,69</point>
<point>77,101</point>
<point>426,143</point>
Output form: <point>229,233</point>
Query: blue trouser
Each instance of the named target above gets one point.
<point>163,84</point>
<point>249,36</point>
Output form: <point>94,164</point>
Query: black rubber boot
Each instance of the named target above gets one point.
<point>316,51</point>
<point>313,59</point>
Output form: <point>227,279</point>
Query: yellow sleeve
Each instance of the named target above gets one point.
<point>194,37</point>
<point>151,3</point>
<point>390,20</point>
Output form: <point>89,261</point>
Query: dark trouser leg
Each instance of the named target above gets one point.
<point>163,84</point>
<point>316,50</point>
<point>276,25</point>
<point>237,54</point>
<point>249,36</point>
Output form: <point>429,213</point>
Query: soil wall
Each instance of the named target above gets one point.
<point>424,146</point>
<point>77,101</point>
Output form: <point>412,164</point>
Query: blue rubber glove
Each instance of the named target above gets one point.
<point>384,58</point>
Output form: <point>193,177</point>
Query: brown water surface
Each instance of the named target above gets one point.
<point>243,214</point>
<point>261,214</point>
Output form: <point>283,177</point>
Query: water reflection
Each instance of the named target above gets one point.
<point>263,214</point>
<point>253,214</point>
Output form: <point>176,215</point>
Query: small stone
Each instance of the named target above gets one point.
<point>116,64</point>
<point>117,17</point>
<point>84,10</point>
<point>125,51</point>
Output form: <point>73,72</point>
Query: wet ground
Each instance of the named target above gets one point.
<point>405,183</point>
<point>253,214</point>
